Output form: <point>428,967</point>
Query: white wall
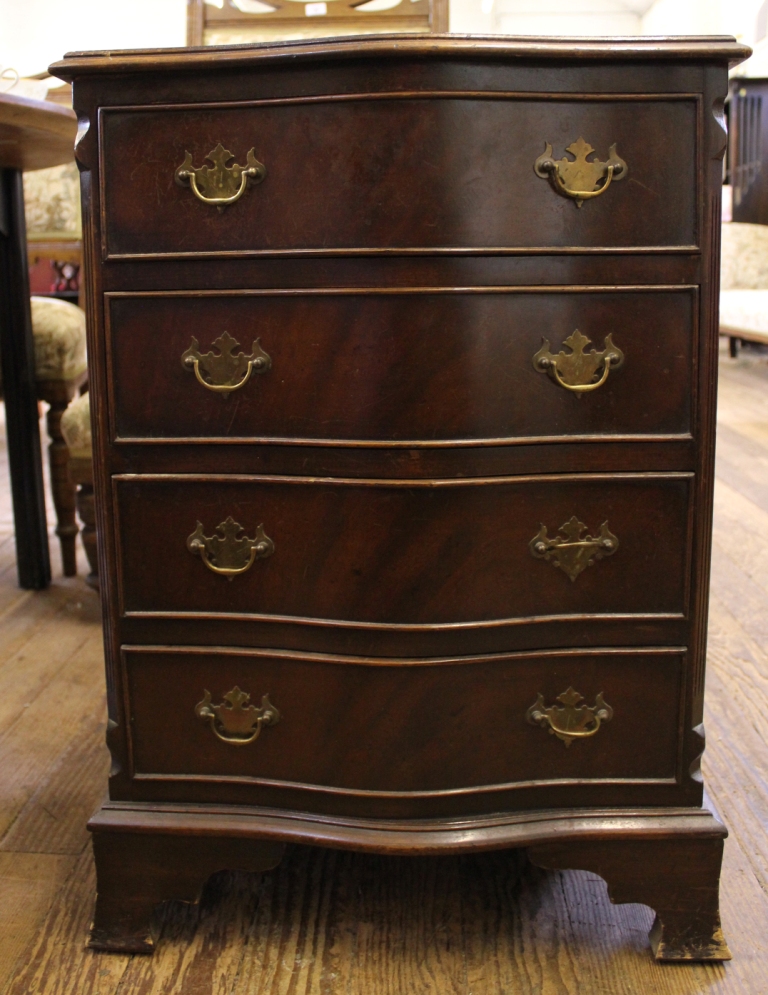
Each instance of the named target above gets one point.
<point>34,33</point>
<point>703,17</point>
<point>606,17</point>
<point>547,17</point>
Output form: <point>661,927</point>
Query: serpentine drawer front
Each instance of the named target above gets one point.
<point>406,553</point>
<point>350,728</point>
<point>377,365</point>
<point>403,361</point>
<point>454,172</point>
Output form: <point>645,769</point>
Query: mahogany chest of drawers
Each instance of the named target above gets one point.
<point>403,361</point>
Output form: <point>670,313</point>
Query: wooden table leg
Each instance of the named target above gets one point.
<point>17,354</point>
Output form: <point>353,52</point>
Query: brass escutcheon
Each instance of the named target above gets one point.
<point>220,184</point>
<point>230,553</point>
<point>577,370</point>
<point>580,178</point>
<point>571,720</point>
<point>227,370</point>
<point>573,552</point>
<point>234,721</point>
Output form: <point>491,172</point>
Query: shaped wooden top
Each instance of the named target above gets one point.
<point>679,48</point>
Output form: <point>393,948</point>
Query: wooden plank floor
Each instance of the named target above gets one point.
<point>327,923</point>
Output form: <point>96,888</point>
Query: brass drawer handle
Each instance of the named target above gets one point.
<point>220,184</point>
<point>230,553</point>
<point>576,370</point>
<point>233,722</point>
<point>579,178</point>
<point>573,552</point>
<point>572,720</point>
<point>227,370</point>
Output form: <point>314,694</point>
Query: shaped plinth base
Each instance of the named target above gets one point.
<point>666,858</point>
<point>135,872</point>
<point>678,878</point>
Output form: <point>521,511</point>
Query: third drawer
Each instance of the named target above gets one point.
<point>405,554</point>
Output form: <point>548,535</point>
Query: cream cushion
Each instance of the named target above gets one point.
<point>76,427</point>
<point>58,328</point>
<point>744,282</point>
<point>744,313</point>
<point>744,256</point>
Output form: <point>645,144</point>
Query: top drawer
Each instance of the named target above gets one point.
<point>397,172</point>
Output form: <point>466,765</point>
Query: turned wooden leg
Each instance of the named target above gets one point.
<point>81,474</point>
<point>733,346</point>
<point>135,872</point>
<point>677,878</point>
<point>87,514</point>
<point>58,394</point>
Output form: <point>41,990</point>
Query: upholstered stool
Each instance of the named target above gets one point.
<point>76,430</point>
<point>744,284</point>
<point>58,328</point>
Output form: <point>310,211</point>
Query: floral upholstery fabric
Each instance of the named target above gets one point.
<point>58,328</point>
<point>59,331</point>
<point>744,257</point>
<point>52,202</point>
<point>76,427</point>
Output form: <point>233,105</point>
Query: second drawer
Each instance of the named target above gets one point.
<point>416,368</point>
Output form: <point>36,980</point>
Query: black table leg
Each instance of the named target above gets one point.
<point>17,355</point>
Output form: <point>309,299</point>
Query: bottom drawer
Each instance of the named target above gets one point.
<point>410,729</point>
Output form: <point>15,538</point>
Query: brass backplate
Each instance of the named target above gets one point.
<point>579,370</point>
<point>580,178</point>
<point>226,370</point>
<point>236,721</point>
<point>229,551</point>
<point>220,184</point>
<point>572,551</point>
<point>570,719</point>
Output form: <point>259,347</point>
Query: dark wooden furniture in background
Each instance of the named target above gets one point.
<point>34,134</point>
<point>747,160</point>
<point>379,482</point>
<point>261,20</point>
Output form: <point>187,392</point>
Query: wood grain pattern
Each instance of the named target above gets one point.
<point>423,145</point>
<point>415,553</point>
<point>402,160</point>
<point>34,134</point>
<point>375,730</point>
<point>377,366</point>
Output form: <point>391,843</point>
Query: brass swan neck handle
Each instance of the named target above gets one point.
<point>580,178</point>
<point>576,369</point>
<point>235,721</point>
<point>220,185</point>
<point>229,552</point>
<point>227,370</point>
<point>570,720</point>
